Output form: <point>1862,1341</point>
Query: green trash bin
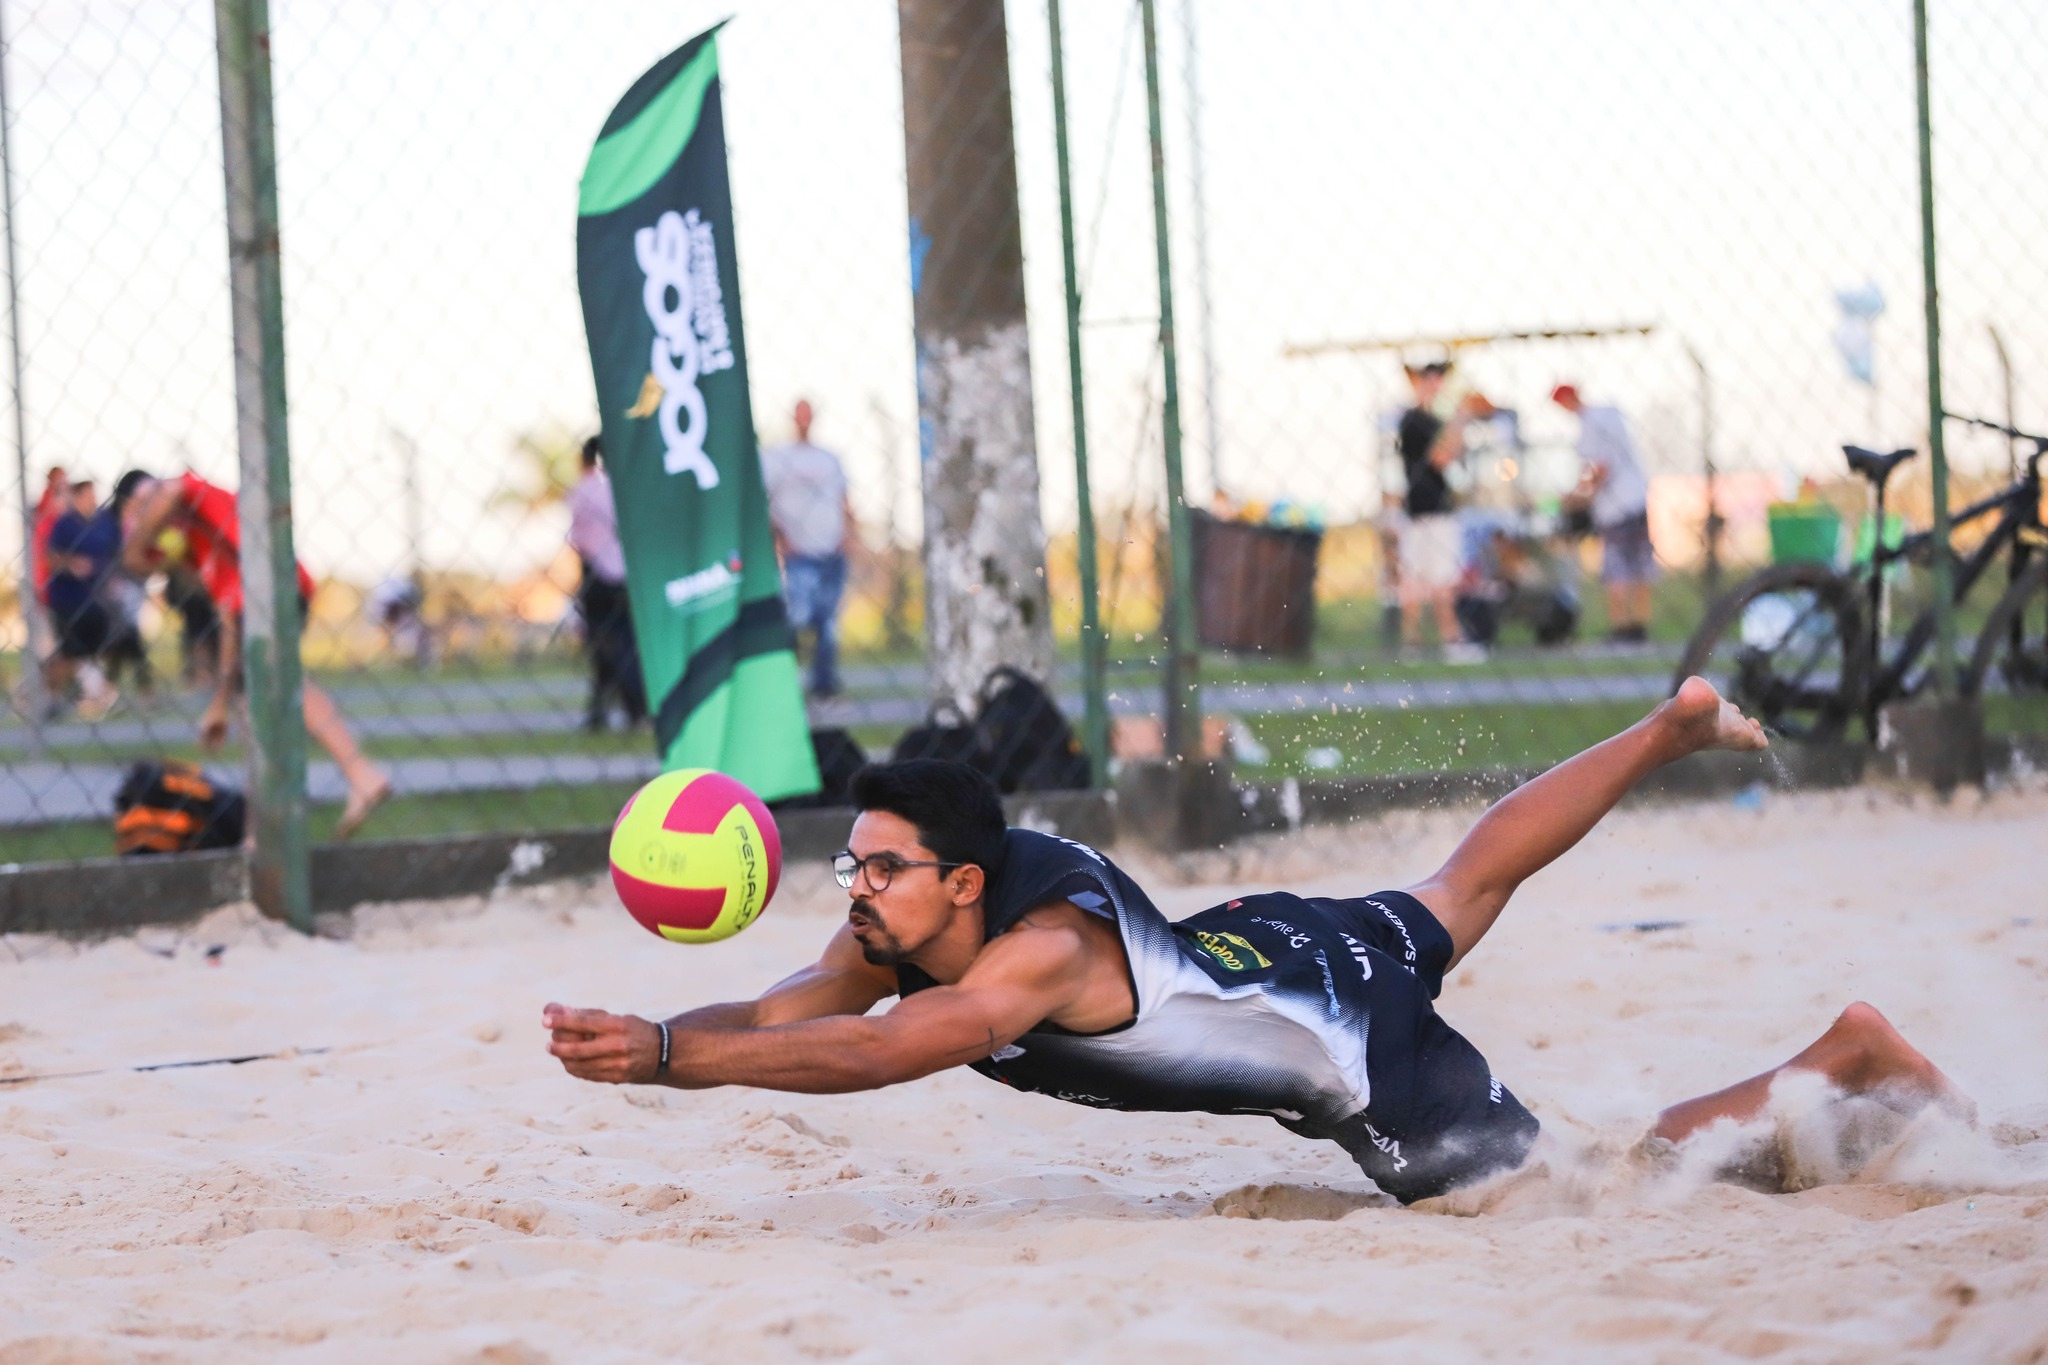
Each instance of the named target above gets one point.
<point>1805,533</point>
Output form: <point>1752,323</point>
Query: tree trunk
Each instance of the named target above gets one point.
<point>984,542</point>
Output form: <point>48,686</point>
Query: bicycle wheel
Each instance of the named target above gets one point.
<point>1787,647</point>
<point>2012,653</point>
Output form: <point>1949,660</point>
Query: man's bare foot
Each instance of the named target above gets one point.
<point>361,801</point>
<point>1699,719</point>
<point>1891,1070</point>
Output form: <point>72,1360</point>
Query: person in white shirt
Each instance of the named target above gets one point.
<point>607,618</point>
<point>810,513</point>
<point>1617,492</point>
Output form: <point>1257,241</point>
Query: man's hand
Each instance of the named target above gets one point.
<point>213,724</point>
<point>593,1045</point>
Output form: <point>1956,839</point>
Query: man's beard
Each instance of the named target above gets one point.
<point>878,946</point>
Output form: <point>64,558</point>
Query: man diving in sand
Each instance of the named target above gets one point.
<point>1038,962</point>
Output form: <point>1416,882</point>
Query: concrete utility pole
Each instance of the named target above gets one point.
<point>984,542</point>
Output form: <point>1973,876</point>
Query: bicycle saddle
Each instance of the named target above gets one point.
<point>1873,466</point>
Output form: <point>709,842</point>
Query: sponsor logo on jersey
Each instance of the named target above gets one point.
<point>1399,927</point>
<point>1295,937</point>
<point>1391,1146</point>
<point>1233,952</point>
<point>1006,1052</point>
<point>1083,848</point>
<point>1092,1101</point>
<point>1493,1088</point>
<point>1359,954</point>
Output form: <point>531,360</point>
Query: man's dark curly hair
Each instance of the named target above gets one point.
<point>955,808</point>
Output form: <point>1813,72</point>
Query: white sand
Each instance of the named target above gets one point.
<point>435,1189</point>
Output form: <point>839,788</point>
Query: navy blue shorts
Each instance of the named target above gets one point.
<point>1437,1117</point>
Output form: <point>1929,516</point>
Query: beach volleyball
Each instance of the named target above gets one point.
<point>695,856</point>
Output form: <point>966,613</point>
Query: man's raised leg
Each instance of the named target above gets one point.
<point>1532,826</point>
<point>1860,1054</point>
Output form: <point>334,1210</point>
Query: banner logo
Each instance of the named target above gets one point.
<point>705,585</point>
<point>679,256</point>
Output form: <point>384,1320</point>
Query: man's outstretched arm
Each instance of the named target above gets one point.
<point>1018,981</point>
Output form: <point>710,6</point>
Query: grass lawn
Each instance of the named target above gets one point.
<point>1431,739</point>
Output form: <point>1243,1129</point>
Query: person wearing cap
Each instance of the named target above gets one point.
<point>1431,541</point>
<point>1617,492</point>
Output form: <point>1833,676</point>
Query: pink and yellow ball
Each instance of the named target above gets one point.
<point>695,856</point>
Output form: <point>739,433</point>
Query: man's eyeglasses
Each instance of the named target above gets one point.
<point>881,868</point>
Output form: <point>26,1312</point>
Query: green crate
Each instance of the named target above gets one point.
<point>1866,536</point>
<point>1805,533</point>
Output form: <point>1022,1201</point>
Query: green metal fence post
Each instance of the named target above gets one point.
<point>1094,654</point>
<point>278,873</point>
<point>1937,449</point>
<point>1183,696</point>
<point>36,642</point>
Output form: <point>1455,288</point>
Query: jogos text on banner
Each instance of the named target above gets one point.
<point>660,284</point>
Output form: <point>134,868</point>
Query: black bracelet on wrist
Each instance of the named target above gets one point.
<point>661,1067</point>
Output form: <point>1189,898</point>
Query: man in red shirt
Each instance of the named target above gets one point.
<point>206,515</point>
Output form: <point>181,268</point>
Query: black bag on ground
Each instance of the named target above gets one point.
<point>174,807</point>
<point>944,734</point>
<point>839,757</point>
<point>1029,745</point>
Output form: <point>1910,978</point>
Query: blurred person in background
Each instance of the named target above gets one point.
<point>1431,542</point>
<point>204,528</point>
<point>810,512</point>
<point>80,550</point>
<point>397,605</point>
<point>1613,487</point>
<point>52,503</point>
<point>123,594</point>
<point>199,623</point>
<point>601,596</point>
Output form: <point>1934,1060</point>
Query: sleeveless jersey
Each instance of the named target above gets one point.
<point>1271,1004</point>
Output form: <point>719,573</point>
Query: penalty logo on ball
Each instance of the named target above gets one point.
<point>695,856</point>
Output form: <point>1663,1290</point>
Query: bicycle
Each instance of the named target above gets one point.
<point>1801,646</point>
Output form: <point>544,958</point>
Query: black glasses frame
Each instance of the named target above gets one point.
<point>846,867</point>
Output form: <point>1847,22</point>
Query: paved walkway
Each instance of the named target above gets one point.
<point>34,791</point>
<point>49,793</point>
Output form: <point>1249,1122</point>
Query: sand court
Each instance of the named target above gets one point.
<point>433,1188</point>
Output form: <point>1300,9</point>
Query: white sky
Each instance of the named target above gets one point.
<point>1373,168</point>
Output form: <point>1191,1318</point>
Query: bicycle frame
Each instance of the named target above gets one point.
<point>2020,507</point>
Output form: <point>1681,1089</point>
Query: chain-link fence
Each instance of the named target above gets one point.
<point>1704,218</point>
